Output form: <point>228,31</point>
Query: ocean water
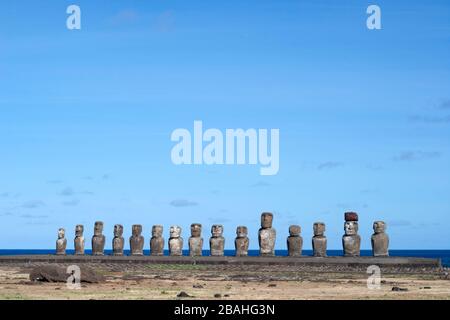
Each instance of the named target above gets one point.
<point>444,255</point>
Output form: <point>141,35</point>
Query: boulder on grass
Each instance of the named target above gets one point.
<point>50,273</point>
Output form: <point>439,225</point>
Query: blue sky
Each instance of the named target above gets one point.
<point>86,117</point>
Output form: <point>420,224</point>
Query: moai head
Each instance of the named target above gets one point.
<point>351,228</point>
<point>136,230</point>
<point>175,231</point>
<point>351,223</point>
<point>319,228</point>
<point>98,228</point>
<point>118,230</point>
<point>61,233</point>
<point>294,230</point>
<point>196,230</point>
<point>157,231</point>
<point>379,226</point>
<point>217,230</point>
<point>241,231</point>
<point>79,229</point>
<point>266,220</point>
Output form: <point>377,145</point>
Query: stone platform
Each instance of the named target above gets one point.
<point>406,262</point>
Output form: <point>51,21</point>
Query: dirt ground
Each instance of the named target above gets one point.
<point>200,282</point>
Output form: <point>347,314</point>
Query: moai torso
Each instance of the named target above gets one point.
<point>351,244</point>
<point>98,240</point>
<point>380,240</point>
<point>136,240</point>
<point>118,240</point>
<point>267,235</point>
<point>157,241</point>
<point>61,243</point>
<point>79,240</point>
<point>294,241</point>
<point>241,243</point>
<point>351,241</point>
<point>196,241</point>
<point>217,241</point>
<point>175,241</point>
<point>319,241</point>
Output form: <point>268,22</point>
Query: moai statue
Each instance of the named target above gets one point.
<point>351,241</point>
<point>175,241</point>
<point>217,241</point>
<point>295,241</point>
<point>118,240</point>
<point>267,235</point>
<point>136,240</point>
<point>157,241</point>
<point>196,240</point>
<point>319,241</point>
<point>380,240</point>
<point>98,239</point>
<point>241,242</point>
<point>61,243</point>
<point>79,240</point>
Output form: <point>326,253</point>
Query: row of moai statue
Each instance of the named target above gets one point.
<point>217,241</point>
<point>351,241</point>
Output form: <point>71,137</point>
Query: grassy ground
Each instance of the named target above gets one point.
<point>201,282</point>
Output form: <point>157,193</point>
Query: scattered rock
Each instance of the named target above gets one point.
<point>271,285</point>
<point>183,294</point>
<point>59,274</point>
<point>399,289</point>
<point>197,286</point>
<point>425,288</point>
<point>217,295</point>
<point>226,295</point>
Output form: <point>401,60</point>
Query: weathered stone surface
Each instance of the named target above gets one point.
<point>52,273</point>
<point>61,243</point>
<point>157,241</point>
<point>266,235</point>
<point>294,241</point>
<point>196,241</point>
<point>175,241</point>
<point>351,241</point>
<point>136,240</point>
<point>118,240</point>
<point>124,262</point>
<point>79,240</point>
<point>294,230</point>
<point>380,240</point>
<point>241,242</point>
<point>351,216</point>
<point>217,241</point>
<point>98,240</point>
<point>319,241</point>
